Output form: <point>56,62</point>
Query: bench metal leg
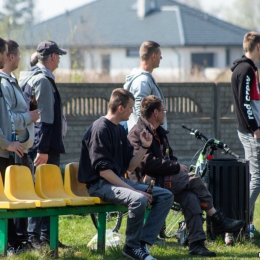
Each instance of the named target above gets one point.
<point>54,234</point>
<point>3,236</point>
<point>101,232</point>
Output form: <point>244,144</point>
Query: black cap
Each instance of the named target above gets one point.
<point>50,47</point>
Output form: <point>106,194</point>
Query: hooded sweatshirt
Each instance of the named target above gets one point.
<point>16,102</point>
<point>5,126</point>
<point>246,95</point>
<point>142,84</point>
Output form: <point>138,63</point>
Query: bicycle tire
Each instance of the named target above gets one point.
<point>113,220</point>
<point>171,223</point>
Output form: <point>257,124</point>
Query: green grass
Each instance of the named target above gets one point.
<point>78,230</point>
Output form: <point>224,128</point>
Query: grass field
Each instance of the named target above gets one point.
<point>78,230</point>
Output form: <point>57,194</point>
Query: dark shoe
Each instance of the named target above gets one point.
<point>46,241</point>
<point>221,224</point>
<point>35,242</point>
<point>137,254</point>
<point>198,248</point>
<point>17,250</point>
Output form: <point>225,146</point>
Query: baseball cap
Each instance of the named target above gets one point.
<point>50,47</point>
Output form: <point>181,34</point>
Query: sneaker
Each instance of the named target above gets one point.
<point>252,231</point>
<point>35,242</point>
<point>16,251</point>
<point>145,249</point>
<point>46,241</point>
<point>137,254</point>
<point>198,248</point>
<point>222,224</point>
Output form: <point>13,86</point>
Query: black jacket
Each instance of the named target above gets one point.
<point>104,146</point>
<point>242,85</point>
<point>153,163</point>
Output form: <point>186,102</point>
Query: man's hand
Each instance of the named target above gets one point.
<point>183,168</point>
<point>41,158</point>
<point>147,195</point>
<point>257,133</point>
<point>35,115</point>
<point>146,138</point>
<point>15,147</point>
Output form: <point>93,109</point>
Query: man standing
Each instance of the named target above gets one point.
<point>246,98</point>
<point>106,155</point>
<point>188,189</point>
<point>34,59</point>
<point>23,119</point>
<point>48,144</point>
<point>7,147</point>
<point>140,82</point>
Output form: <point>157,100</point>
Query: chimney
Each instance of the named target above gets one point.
<point>144,7</point>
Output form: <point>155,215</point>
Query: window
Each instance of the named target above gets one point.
<point>132,52</point>
<point>105,64</point>
<point>200,61</point>
<point>77,59</point>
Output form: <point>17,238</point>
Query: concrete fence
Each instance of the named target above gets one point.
<point>204,106</point>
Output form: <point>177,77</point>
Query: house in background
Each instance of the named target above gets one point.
<point>103,37</point>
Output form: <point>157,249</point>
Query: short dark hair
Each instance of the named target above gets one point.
<point>148,105</point>
<point>147,49</point>
<point>12,47</point>
<point>251,39</point>
<point>2,45</point>
<point>119,97</point>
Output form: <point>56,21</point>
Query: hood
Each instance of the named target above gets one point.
<point>136,72</point>
<point>241,60</point>
<point>25,76</point>
<point>4,75</point>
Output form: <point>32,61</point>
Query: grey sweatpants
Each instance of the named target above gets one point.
<point>193,196</point>
<point>136,203</point>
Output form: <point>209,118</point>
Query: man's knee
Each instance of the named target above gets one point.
<point>189,202</point>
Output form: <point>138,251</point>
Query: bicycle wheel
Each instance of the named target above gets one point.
<point>171,224</point>
<point>113,220</point>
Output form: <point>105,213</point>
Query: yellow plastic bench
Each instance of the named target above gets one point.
<point>49,185</point>
<point>73,187</point>
<point>19,187</point>
<point>6,203</point>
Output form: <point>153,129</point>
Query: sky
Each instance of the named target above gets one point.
<point>46,9</point>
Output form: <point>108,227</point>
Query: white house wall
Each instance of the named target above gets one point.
<point>175,63</point>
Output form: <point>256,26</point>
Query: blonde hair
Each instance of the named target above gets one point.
<point>251,39</point>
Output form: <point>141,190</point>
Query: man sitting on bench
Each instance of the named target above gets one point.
<point>106,155</point>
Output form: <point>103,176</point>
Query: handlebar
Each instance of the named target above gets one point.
<point>212,142</point>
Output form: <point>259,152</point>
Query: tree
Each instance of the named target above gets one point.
<point>18,13</point>
<point>244,13</point>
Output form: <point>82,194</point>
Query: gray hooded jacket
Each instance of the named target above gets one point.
<point>16,102</point>
<point>141,84</point>
<point>5,125</point>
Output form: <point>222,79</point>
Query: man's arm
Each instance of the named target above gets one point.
<point>140,89</point>
<point>45,100</point>
<point>151,163</point>
<point>112,178</point>
<point>146,140</point>
<point>245,85</point>
<point>10,146</point>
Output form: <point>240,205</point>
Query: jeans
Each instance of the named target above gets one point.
<point>136,203</point>
<point>40,226</point>
<point>252,153</point>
